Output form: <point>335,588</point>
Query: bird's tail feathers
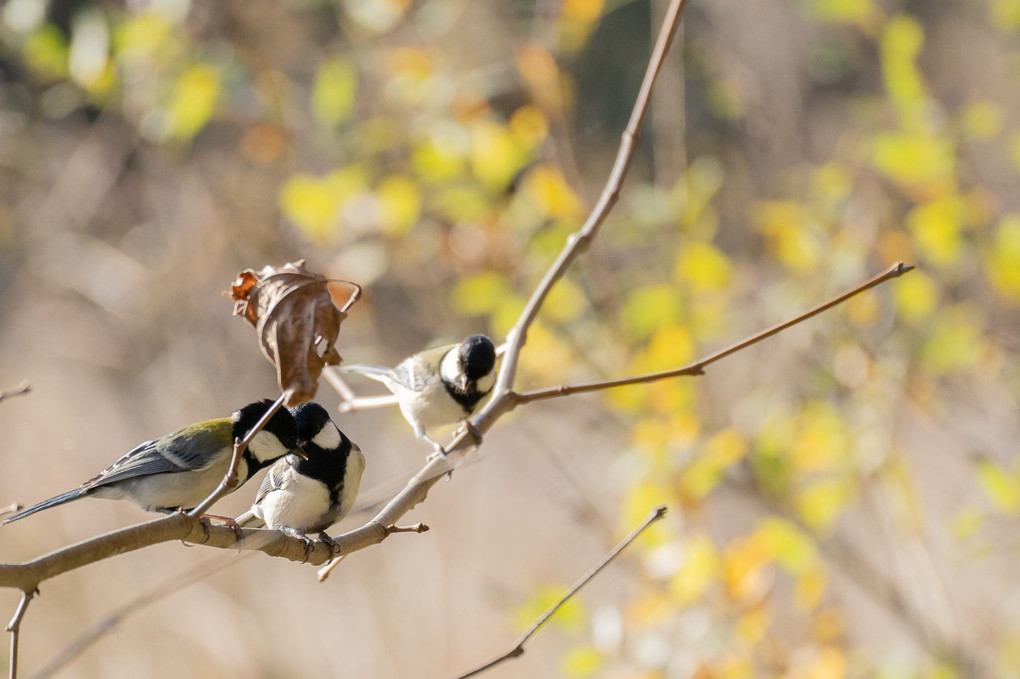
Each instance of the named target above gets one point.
<point>249,520</point>
<point>46,504</point>
<point>379,373</point>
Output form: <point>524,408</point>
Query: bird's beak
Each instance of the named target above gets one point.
<point>300,452</point>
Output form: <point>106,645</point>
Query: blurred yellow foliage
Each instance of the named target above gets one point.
<point>703,267</point>
<point>954,341</point>
<point>936,227</point>
<point>582,661</point>
<point>411,75</point>
<point>810,587</point>
<point>547,188</point>
<point>441,156</point>
<point>45,51</point>
<point>193,100</point>
<point>829,662</point>
<point>699,570</point>
<point>747,568</point>
<point>794,550</point>
<point>141,35</point>
<point>718,453</point>
<point>915,296</point>
<point>334,91</point>
<point>530,126</point>
<point>480,293</point>
<point>546,356</point>
<point>792,236</point>
<point>752,626</point>
<point>671,346</point>
<point>820,502</point>
<point>571,615</point>
<point>648,307</point>
<point>968,522</point>
<point>1002,259</point>
<point>982,119</point>
<point>918,162</point>
<point>496,154</point>
<point>841,11</point>
<point>1002,487</point>
<point>313,203</point>
<point>399,204</point>
<point>1006,14</point>
<point>901,42</point>
<point>566,301</point>
<point>821,441</point>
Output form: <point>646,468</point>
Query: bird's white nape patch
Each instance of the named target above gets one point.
<point>449,368</point>
<point>328,437</point>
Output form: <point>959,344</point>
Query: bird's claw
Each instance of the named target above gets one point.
<point>328,541</point>
<point>303,538</point>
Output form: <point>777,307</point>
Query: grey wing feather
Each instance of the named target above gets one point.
<point>273,480</point>
<point>180,452</point>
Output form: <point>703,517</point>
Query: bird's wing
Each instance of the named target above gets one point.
<point>379,373</point>
<point>274,479</point>
<point>190,449</point>
<point>418,372</point>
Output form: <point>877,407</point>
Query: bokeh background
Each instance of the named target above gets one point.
<point>844,498</point>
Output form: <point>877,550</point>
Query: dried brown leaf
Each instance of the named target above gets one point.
<point>296,321</point>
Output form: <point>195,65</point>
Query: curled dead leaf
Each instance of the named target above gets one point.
<point>296,321</point>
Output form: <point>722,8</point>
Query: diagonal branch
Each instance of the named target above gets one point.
<point>518,649</point>
<point>230,479</point>
<point>698,367</point>
<point>579,241</point>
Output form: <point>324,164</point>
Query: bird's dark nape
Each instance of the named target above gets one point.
<point>310,418</point>
<point>477,356</point>
<point>281,423</point>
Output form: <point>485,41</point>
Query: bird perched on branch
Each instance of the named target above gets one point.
<point>179,470</point>
<point>439,386</point>
<point>300,496</point>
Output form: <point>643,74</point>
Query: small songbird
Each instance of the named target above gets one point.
<point>179,470</point>
<point>299,496</point>
<point>439,386</point>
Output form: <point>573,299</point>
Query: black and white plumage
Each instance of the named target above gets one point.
<point>308,496</point>
<point>439,386</point>
<point>179,470</point>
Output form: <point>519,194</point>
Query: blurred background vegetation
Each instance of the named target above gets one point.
<point>845,497</point>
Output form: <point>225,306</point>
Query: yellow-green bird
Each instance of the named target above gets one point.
<point>179,470</point>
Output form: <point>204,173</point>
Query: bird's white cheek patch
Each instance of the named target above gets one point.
<point>328,438</point>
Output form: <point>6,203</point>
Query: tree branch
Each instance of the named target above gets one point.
<point>698,367</point>
<point>22,388</point>
<point>518,649</point>
<point>14,627</point>
<point>579,241</point>
<point>229,481</point>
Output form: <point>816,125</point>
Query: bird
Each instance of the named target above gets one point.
<point>179,470</point>
<point>299,496</point>
<point>438,386</point>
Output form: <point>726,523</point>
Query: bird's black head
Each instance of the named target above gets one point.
<point>281,424</point>
<point>311,418</point>
<point>477,356</point>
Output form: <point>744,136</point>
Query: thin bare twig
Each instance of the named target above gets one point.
<point>22,388</point>
<point>579,242</point>
<point>518,649</point>
<point>111,621</point>
<point>390,530</point>
<point>698,367</point>
<point>230,479</point>
<point>14,627</point>
<point>10,509</point>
